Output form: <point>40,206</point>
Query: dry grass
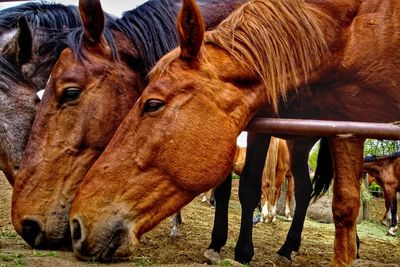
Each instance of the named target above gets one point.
<point>157,249</point>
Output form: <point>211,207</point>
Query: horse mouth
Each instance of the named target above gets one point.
<point>110,248</point>
<point>108,254</point>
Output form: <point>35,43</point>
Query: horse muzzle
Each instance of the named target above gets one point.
<point>104,242</point>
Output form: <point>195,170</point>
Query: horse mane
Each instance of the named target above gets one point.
<point>49,23</point>
<point>261,35</point>
<point>40,15</point>
<point>10,74</point>
<point>151,27</point>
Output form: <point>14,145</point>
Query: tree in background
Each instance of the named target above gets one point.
<point>373,147</point>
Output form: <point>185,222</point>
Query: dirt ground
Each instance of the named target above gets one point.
<point>157,249</point>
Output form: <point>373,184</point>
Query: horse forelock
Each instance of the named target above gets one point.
<point>151,28</point>
<point>281,41</point>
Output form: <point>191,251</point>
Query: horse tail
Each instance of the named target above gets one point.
<point>324,173</point>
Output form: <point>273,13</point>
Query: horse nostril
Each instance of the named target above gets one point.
<point>31,232</point>
<point>78,233</point>
<point>76,230</point>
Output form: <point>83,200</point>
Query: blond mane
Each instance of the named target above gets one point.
<point>281,40</point>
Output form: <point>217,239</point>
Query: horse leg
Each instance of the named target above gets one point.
<point>280,176</point>
<point>203,197</point>
<point>219,233</point>
<point>212,195</point>
<point>298,151</point>
<point>347,155</point>
<point>265,195</point>
<point>176,225</point>
<point>390,195</point>
<point>289,194</point>
<point>250,193</point>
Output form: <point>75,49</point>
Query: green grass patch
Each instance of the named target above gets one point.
<point>46,254</point>
<point>8,234</point>
<point>11,260</point>
<point>141,261</point>
<point>374,229</point>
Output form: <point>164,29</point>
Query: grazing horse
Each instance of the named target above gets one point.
<point>276,170</point>
<point>25,61</point>
<point>125,51</point>
<point>93,85</point>
<point>272,183</point>
<point>311,59</point>
<point>386,170</point>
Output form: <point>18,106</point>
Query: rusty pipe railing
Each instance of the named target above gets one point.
<point>324,128</point>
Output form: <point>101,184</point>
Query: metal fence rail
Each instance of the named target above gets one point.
<point>325,128</point>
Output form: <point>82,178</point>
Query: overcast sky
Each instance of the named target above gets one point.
<point>115,7</point>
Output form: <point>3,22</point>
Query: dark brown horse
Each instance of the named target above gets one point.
<point>386,171</point>
<point>330,58</point>
<point>93,85</point>
<point>29,47</point>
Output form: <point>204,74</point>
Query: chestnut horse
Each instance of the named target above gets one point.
<point>272,182</point>
<point>386,171</point>
<point>276,170</point>
<point>328,57</point>
<point>93,85</point>
<point>25,63</point>
<point>144,55</point>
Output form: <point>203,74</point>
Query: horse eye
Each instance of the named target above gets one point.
<point>70,94</point>
<point>152,105</point>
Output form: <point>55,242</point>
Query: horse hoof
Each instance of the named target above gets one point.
<point>392,231</point>
<point>175,233</point>
<point>282,261</point>
<point>256,219</point>
<point>212,256</point>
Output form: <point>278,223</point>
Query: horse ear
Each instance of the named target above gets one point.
<point>18,49</point>
<point>92,16</point>
<point>190,29</point>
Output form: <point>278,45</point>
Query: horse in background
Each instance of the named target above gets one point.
<point>29,46</point>
<point>95,82</point>
<point>386,172</point>
<point>276,172</point>
<point>319,55</point>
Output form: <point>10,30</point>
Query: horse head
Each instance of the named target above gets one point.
<point>85,99</point>
<point>162,146</point>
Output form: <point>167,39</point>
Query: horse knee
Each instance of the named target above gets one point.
<point>345,214</point>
